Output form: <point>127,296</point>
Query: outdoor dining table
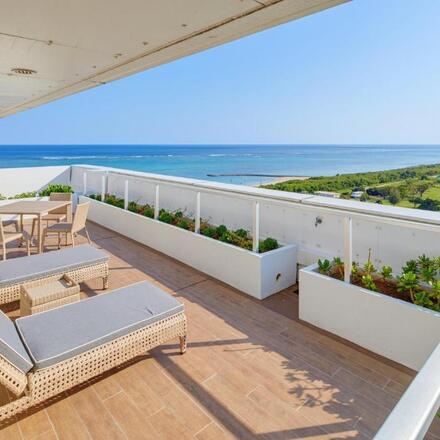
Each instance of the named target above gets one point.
<point>37,208</point>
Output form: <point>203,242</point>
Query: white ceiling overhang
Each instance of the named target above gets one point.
<point>73,45</point>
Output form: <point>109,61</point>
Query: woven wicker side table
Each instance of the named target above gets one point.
<point>38,296</point>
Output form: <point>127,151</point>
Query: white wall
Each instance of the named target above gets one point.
<point>288,217</point>
<point>19,180</point>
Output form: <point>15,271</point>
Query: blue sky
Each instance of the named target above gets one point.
<point>364,72</point>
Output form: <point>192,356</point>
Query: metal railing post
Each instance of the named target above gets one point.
<point>102,188</point>
<point>256,227</point>
<point>156,203</point>
<point>348,248</point>
<point>85,182</point>
<point>126,195</point>
<point>197,219</point>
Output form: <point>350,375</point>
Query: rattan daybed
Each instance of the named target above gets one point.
<point>47,353</point>
<point>81,263</point>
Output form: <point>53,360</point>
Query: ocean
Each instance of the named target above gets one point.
<point>198,161</point>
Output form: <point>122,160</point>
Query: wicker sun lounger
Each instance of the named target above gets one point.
<point>80,263</point>
<point>79,341</point>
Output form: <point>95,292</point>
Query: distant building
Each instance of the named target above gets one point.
<point>333,195</point>
<point>356,194</point>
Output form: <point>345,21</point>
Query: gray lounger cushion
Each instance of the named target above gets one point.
<point>49,263</point>
<point>59,334</point>
<point>11,347</point>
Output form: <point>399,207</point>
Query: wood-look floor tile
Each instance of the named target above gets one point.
<point>134,424</point>
<point>66,422</point>
<point>95,416</point>
<point>144,398</point>
<point>10,432</point>
<point>168,425</point>
<point>214,432</point>
<point>35,424</point>
<point>107,387</point>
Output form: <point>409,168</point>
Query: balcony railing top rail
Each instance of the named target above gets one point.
<point>413,414</point>
<point>425,220</point>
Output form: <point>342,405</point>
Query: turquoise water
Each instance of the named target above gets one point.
<point>200,160</point>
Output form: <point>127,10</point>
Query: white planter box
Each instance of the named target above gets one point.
<point>396,329</point>
<point>258,275</point>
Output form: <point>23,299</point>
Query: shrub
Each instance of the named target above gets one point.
<point>56,187</point>
<point>184,224</point>
<point>148,211</point>
<point>207,231</point>
<point>25,195</point>
<point>241,233</point>
<point>165,216</point>
<point>133,207</point>
<point>239,237</point>
<point>227,237</point>
<point>220,230</point>
<point>269,244</point>
<point>114,201</point>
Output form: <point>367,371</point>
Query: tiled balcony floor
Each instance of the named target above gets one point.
<point>252,370</point>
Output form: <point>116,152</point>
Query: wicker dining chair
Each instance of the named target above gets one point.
<point>71,228</point>
<point>63,214</point>
<point>9,236</point>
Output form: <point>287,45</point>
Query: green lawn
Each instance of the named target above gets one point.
<point>431,193</point>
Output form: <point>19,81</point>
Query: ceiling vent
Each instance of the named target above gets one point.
<point>23,71</point>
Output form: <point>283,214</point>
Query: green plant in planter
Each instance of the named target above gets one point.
<point>57,188</point>
<point>435,295</point>
<point>178,214</point>
<point>220,230</point>
<point>25,195</point>
<point>368,282</point>
<point>165,216</point>
<point>410,266</point>
<point>408,282</point>
<point>184,224</point>
<point>338,265</point>
<point>422,298</point>
<point>437,263</point>
<point>355,275</point>
<point>207,231</point>
<point>425,262</point>
<point>324,266</point>
<point>269,244</point>
<point>386,272</point>
<point>148,211</point>
<point>369,266</point>
<point>133,207</point>
<point>114,201</point>
<point>428,274</point>
<point>242,233</point>
<point>227,237</point>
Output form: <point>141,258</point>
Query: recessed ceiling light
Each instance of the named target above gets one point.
<point>23,71</point>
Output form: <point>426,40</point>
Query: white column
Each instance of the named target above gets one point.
<point>197,219</point>
<point>102,188</point>
<point>348,248</point>
<point>126,195</point>
<point>84,182</point>
<point>156,203</point>
<point>256,226</point>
